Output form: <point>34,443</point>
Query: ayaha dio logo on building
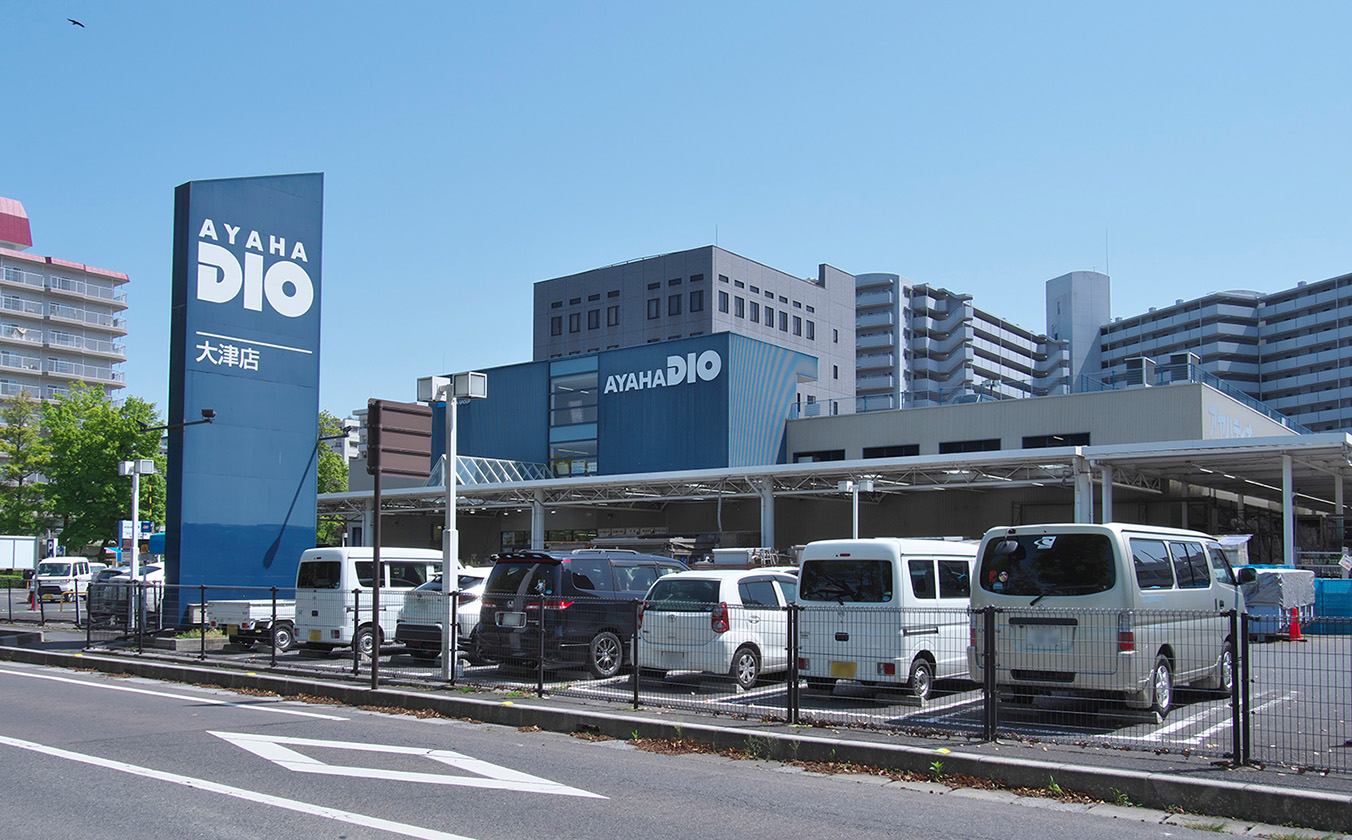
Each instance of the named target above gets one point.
<point>680,370</point>
<point>275,273</point>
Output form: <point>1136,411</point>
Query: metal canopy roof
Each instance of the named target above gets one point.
<point>1250,467</point>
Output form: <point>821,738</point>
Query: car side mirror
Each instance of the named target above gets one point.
<point>1247,576</point>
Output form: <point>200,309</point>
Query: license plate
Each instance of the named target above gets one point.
<point>1044,638</point>
<point>844,670</point>
<point>672,658</point>
<point>314,635</point>
<point>512,619</point>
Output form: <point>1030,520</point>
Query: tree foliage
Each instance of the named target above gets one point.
<point>25,452</point>
<point>88,436</point>
<point>332,478</point>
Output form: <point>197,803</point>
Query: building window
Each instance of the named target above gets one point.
<point>739,284</point>
<point>593,319</point>
<point>675,281</point>
<point>613,293</point>
<point>783,321</point>
<point>722,301</point>
<point>811,331</point>
<point>816,457</point>
<point>558,304</point>
<point>954,447</point>
<point>755,290</point>
<point>797,325</point>
<point>739,307</point>
<point>1052,441</point>
<point>755,312</point>
<point>770,317</point>
<point>835,336</point>
<point>674,305</point>
<point>722,278</point>
<point>556,325</point>
<point>811,309</point>
<point>697,278</point>
<point>697,300</point>
<point>593,298</point>
<point>654,308</point>
<point>783,299</point>
<point>574,322</point>
<point>769,294</point>
<point>904,450</point>
<point>652,286</point>
<point>835,371</point>
<point>797,305</point>
<point>613,316</point>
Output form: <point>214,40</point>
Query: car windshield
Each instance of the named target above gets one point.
<point>841,580</point>
<point>1037,565</point>
<point>54,569</point>
<point>683,595</point>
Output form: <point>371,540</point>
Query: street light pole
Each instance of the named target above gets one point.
<point>451,390</point>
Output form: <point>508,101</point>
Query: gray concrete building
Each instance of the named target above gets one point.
<point>703,291</point>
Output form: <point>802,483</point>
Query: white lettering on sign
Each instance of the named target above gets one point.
<point>220,277</point>
<point>1225,426</point>
<point>680,370</point>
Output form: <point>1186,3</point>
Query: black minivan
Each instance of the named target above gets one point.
<point>583,600</point>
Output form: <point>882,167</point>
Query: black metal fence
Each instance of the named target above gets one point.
<point>1198,682</point>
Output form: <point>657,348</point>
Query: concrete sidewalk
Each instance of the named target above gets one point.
<point>1158,787</point>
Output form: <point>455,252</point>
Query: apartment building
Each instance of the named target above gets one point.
<point>61,321</point>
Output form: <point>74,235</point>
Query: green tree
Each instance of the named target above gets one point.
<point>89,436</point>
<point>25,452</point>
<point>332,479</point>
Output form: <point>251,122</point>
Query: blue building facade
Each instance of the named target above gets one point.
<point>706,402</point>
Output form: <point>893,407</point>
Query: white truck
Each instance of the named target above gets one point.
<point>249,622</point>
<point>19,553</point>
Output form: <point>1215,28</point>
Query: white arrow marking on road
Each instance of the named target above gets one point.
<point>278,750</point>
<point>270,706</point>
<point>339,815</point>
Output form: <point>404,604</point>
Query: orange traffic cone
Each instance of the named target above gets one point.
<point>32,599</point>
<point>1295,626</point>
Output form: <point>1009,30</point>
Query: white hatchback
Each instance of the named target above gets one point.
<point>728,621</point>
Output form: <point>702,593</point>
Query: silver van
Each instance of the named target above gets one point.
<point>1116,610</point>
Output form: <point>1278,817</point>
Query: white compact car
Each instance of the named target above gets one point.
<point>418,624</point>
<point>726,621</point>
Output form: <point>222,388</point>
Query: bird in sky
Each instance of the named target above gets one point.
<point>76,22</point>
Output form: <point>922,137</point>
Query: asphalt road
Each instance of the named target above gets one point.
<point>89,755</point>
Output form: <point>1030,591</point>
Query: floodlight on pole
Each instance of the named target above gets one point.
<point>452,389</point>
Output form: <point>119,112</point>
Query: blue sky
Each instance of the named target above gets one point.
<point>470,150</point>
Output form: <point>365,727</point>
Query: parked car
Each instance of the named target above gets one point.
<point>732,622</point>
<point>112,591</point>
<point>1123,611</point>
<point>418,624</point>
<point>565,609</point>
<point>884,611</point>
<point>64,578</point>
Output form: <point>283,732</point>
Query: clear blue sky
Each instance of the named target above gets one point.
<point>470,150</point>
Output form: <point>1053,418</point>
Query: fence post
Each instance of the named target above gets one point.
<point>633,649</point>
<point>133,593</point>
<point>1245,713</point>
<point>77,605</point>
<point>273,627</point>
<point>540,666</point>
<point>356,627</point>
<point>453,647</point>
<point>1235,717</point>
<point>201,617</point>
<point>791,683</point>
<point>989,697</point>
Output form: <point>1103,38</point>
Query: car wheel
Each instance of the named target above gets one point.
<point>1162,686</point>
<point>820,683</point>
<point>1225,671</point>
<point>365,641</point>
<point>283,637</point>
<point>921,681</point>
<point>605,655</point>
<point>745,666</point>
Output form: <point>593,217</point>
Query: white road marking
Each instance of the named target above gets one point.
<point>277,750</point>
<point>263,707</point>
<point>336,814</point>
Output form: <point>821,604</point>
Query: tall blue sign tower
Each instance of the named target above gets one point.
<point>244,343</point>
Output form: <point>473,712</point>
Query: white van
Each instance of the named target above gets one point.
<point>332,583</point>
<point>884,611</point>
<point>1124,611</point>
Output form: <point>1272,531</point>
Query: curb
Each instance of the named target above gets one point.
<point>1166,792</point>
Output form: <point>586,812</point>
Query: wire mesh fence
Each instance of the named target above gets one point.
<point>1208,683</point>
